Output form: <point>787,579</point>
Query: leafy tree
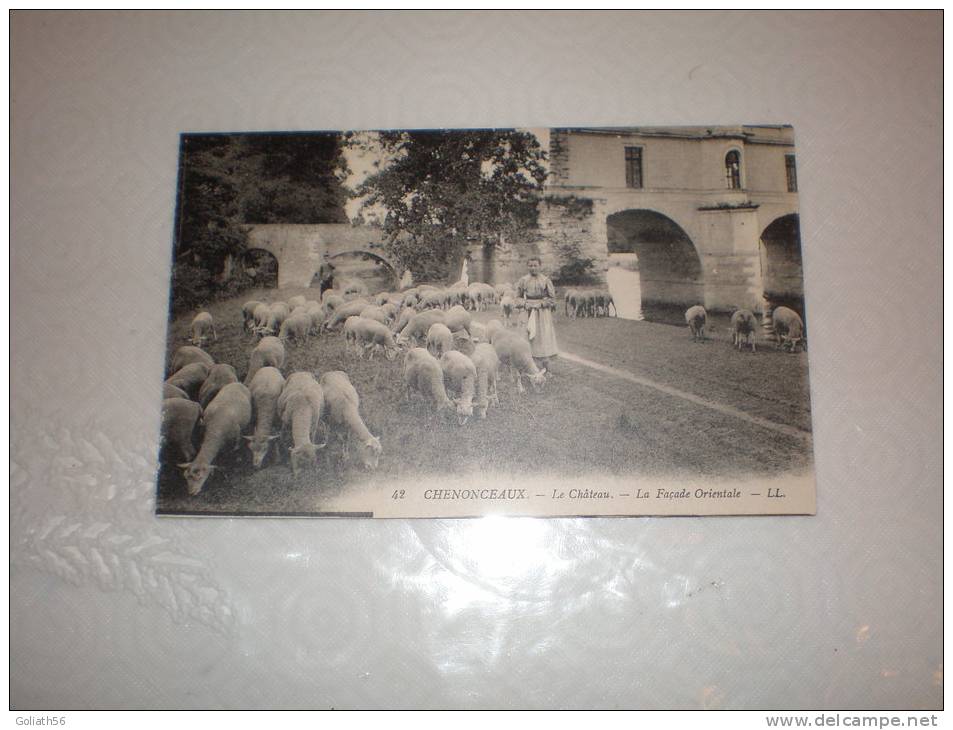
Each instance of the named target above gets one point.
<point>228,181</point>
<point>443,190</point>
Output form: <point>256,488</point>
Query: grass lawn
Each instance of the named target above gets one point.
<point>583,422</point>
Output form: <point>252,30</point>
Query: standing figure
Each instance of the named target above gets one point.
<point>539,294</point>
<point>326,275</point>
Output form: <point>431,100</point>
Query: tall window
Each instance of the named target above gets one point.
<point>633,167</point>
<point>733,170</point>
<point>791,171</point>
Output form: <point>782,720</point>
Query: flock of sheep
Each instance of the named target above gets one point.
<point>786,324</point>
<point>426,323</point>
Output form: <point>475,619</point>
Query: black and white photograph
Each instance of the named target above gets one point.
<point>465,322</point>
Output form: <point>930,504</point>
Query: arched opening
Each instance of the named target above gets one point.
<point>261,267</point>
<point>733,170</point>
<point>781,269</point>
<point>665,275</point>
<point>370,268</point>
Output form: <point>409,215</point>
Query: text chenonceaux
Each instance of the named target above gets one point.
<point>517,494</point>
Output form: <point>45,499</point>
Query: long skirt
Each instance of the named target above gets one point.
<point>542,333</point>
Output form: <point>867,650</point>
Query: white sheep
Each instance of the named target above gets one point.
<point>262,312</point>
<point>344,419</point>
<point>374,335</point>
<point>789,328</point>
<point>696,317</point>
<point>218,377</point>
<point>278,312</point>
<point>188,354</point>
<point>515,352</point>
<point>423,374</point>
<point>341,313</point>
<point>179,416</point>
<point>296,326</point>
<point>433,300</point>
<point>494,325</point>
<point>418,326</point>
<point>316,312</point>
<point>460,376</point>
<point>202,328</point>
<point>265,388</point>
<point>300,407</point>
<point>375,312</point>
<point>507,304</point>
<point>477,332</point>
<point>297,301</point>
<point>248,314</point>
<point>189,378</point>
<point>270,351</point>
<point>406,314</point>
<point>743,325</point>
<point>439,339</point>
<point>226,417</point>
<point>487,364</point>
<point>458,320</point>
<point>350,334</point>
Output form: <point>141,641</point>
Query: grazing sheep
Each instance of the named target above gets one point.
<point>189,378</point>
<point>423,374</point>
<point>201,328</point>
<point>350,334</point>
<point>316,313</point>
<point>226,417</point>
<point>297,326</point>
<point>569,299</point>
<point>492,326</point>
<point>343,417</point>
<point>439,339</point>
<point>374,335</point>
<point>248,314</point>
<point>278,312</point>
<point>262,312</point>
<point>187,355</point>
<point>179,416</point>
<point>265,388</point>
<point>477,332</point>
<point>382,298</point>
<point>171,391</point>
<point>487,364</point>
<point>390,310</point>
<point>300,406</point>
<point>507,304</point>
<point>270,351</point>
<point>411,298</point>
<point>340,315</point>
<point>405,316</point>
<point>460,375</point>
<point>696,317</point>
<point>743,325</point>
<point>789,328</point>
<point>327,293</point>
<point>433,300</point>
<point>419,325</point>
<point>218,377</point>
<point>457,320</point>
<point>375,312</point>
<point>295,302</point>
<point>515,353</point>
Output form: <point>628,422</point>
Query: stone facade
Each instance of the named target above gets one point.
<point>704,233</point>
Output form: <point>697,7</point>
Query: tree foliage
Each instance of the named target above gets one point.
<point>444,190</point>
<point>228,181</point>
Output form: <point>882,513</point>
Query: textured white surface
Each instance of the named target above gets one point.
<point>113,608</point>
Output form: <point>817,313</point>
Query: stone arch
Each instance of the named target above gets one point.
<point>262,266</point>
<point>670,269</point>
<point>782,272</point>
<point>382,276</point>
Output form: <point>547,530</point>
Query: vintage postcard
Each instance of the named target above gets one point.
<point>456,323</point>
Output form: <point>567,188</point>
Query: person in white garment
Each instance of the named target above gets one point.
<point>539,298</point>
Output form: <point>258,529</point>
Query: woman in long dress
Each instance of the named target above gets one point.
<point>539,297</point>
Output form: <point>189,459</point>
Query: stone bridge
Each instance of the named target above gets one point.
<point>300,249</point>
